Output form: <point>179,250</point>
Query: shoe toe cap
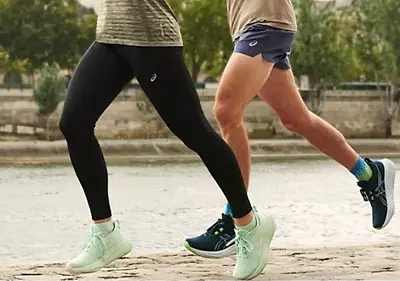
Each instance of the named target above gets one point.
<point>202,242</point>
<point>72,267</point>
<point>379,214</point>
<point>194,242</point>
<point>241,275</point>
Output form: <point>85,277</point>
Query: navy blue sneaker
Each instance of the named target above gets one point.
<point>213,243</point>
<point>379,191</point>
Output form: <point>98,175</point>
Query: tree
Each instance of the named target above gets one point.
<point>378,41</point>
<point>320,51</point>
<point>49,92</point>
<point>9,66</point>
<point>205,33</point>
<point>378,37</point>
<point>87,34</point>
<point>40,31</point>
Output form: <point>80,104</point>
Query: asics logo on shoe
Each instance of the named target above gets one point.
<point>380,190</point>
<point>224,239</point>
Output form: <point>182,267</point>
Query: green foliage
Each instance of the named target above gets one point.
<point>49,91</point>
<point>87,34</point>
<point>359,42</point>
<point>9,66</point>
<point>42,31</point>
<point>378,38</point>
<point>205,33</point>
<point>319,51</point>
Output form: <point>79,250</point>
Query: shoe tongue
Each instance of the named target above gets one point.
<point>242,232</point>
<point>227,218</point>
<point>372,183</point>
<point>97,230</point>
<point>229,226</point>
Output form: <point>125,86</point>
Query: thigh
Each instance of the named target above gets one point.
<point>281,94</point>
<point>163,76</point>
<point>96,81</point>
<point>242,79</point>
<point>257,51</point>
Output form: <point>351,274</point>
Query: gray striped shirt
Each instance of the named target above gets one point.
<point>137,23</point>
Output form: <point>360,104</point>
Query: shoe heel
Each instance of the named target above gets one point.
<point>390,178</point>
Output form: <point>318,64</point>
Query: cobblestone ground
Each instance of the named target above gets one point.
<point>379,262</point>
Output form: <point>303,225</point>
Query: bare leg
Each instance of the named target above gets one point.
<point>243,77</point>
<point>376,178</point>
<point>281,93</point>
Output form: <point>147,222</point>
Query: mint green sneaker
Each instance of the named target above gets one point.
<point>253,247</point>
<point>100,249</point>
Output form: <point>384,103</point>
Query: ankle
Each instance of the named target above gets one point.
<point>362,170</point>
<point>243,221</point>
<point>104,225</point>
<point>102,220</point>
<point>249,223</point>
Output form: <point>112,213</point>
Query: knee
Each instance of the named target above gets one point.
<point>65,126</point>
<point>73,129</point>
<point>68,127</point>
<point>227,115</point>
<point>297,123</point>
<point>192,128</point>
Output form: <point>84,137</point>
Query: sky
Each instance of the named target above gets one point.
<point>90,3</point>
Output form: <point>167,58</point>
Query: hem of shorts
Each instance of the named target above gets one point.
<point>264,58</point>
<point>271,24</point>
<point>138,44</point>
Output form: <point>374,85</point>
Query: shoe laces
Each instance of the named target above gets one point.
<point>243,244</point>
<point>94,239</point>
<point>378,192</point>
<point>216,226</point>
<point>371,195</point>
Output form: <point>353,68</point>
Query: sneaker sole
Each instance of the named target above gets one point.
<point>390,175</point>
<point>269,235</point>
<point>118,251</point>
<point>229,251</point>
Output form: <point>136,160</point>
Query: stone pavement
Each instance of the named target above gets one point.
<point>372,262</point>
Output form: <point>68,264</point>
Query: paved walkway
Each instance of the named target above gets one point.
<point>379,262</point>
<point>315,203</point>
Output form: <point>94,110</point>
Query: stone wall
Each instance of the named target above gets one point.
<point>355,113</point>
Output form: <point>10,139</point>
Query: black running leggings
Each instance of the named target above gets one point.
<point>100,76</point>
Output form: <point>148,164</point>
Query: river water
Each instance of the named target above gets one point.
<point>45,216</point>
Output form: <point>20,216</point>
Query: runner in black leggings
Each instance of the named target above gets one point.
<point>99,78</point>
<point>155,58</point>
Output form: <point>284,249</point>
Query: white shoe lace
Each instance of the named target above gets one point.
<point>243,245</point>
<point>96,240</point>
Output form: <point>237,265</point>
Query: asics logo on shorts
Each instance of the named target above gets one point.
<point>153,78</point>
<point>253,43</point>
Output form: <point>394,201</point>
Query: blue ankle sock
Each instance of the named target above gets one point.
<point>361,170</point>
<point>228,210</point>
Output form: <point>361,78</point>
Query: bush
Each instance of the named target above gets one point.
<point>49,91</point>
